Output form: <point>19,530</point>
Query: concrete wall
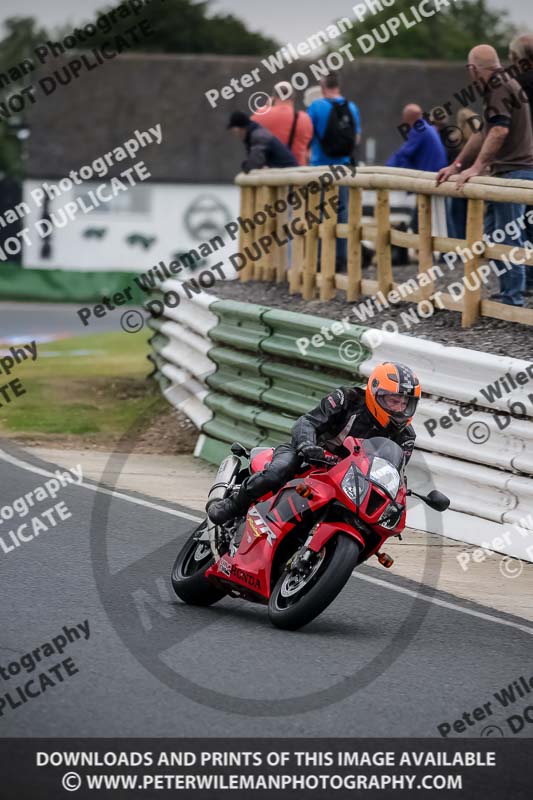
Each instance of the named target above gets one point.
<point>95,113</point>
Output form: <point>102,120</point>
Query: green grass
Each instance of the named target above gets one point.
<point>100,393</point>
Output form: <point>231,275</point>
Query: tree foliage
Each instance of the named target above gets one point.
<point>184,26</point>
<point>448,35</point>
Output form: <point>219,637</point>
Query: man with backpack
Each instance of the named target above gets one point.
<point>337,133</point>
<point>293,128</point>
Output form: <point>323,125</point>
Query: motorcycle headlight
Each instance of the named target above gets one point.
<point>354,484</point>
<point>390,517</point>
<point>386,476</point>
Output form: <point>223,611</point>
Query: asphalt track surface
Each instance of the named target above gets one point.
<point>54,320</point>
<point>379,662</point>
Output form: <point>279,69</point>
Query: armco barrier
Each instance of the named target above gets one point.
<point>235,369</point>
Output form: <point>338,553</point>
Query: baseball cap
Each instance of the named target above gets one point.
<point>238,119</point>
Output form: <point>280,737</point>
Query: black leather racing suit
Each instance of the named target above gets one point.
<point>341,413</point>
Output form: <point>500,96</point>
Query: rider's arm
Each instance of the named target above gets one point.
<point>406,440</point>
<point>327,416</point>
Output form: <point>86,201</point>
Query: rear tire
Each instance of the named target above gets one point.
<point>303,605</point>
<point>188,573</point>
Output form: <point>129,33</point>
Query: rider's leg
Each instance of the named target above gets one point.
<point>282,468</point>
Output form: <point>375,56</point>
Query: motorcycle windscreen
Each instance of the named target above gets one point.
<point>381,447</point>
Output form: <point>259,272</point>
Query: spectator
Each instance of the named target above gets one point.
<point>521,55</point>
<point>263,148</point>
<point>293,128</point>
<point>505,147</point>
<point>468,122</point>
<point>337,132</point>
<point>449,134</point>
<point>423,148</point>
<point>312,94</point>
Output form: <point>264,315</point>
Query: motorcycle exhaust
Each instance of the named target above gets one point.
<point>225,476</point>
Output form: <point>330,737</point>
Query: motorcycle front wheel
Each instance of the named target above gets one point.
<point>297,599</point>
<point>188,573</point>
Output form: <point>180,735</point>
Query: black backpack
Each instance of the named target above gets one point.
<point>339,137</point>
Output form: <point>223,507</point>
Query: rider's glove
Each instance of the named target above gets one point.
<point>311,452</point>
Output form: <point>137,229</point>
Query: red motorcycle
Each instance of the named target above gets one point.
<point>296,549</point>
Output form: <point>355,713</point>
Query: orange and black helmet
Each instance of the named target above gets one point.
<point>392,395</point>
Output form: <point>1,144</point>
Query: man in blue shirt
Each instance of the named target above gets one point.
<point>324,152</point>
<point>423,148</point>
<point>320,111</point>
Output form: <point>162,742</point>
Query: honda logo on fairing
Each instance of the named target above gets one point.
<point>263,526</point>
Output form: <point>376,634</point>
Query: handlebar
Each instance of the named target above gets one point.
<point>329,461</point>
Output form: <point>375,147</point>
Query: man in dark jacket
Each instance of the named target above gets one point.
<point>521,56</point>
<point>385,408</point>
<point>263,148</point>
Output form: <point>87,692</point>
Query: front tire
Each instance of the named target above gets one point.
<point>188,573</point>
<point>294,603</point>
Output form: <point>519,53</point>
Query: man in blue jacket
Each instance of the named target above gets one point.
<point>423,148</point>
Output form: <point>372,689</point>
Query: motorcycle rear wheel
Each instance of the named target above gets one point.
<point>188,573</point>
<point>294,603</point>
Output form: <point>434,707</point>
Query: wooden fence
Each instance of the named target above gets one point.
<point>311,269</point>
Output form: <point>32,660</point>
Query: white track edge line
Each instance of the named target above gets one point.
<point>444,603</point>
<point>94,488</point>
<point>401,589</point>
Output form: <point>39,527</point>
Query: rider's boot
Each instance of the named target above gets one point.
<point>221,511</point>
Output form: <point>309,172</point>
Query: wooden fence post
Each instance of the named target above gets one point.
<point>245,237</point>
<point>259,231</point>
<point>425,245</point>
<point>474,233</point>
<point>328,251</point>
<point>355,247</point>
<point>297,260</point>
<point>311,249</point>
<point>383,246</point>
<point>281,258</point>
<point>270,255</point>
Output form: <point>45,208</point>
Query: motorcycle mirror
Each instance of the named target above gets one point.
<point>437,500</point>
<point>238,450</point>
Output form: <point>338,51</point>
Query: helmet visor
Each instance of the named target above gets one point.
<point>397,404</point>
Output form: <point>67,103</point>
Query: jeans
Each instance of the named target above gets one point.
<point>456,215</point>
<point>528,233</point>
<point>498,215</point>
<point>342,244</point>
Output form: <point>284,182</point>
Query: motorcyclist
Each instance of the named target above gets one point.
<point>384,408</point>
